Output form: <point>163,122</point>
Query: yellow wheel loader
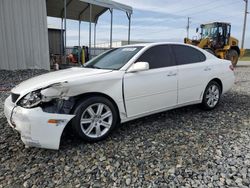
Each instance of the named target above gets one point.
<point>216,38</point>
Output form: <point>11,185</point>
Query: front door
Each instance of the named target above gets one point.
<point>153,89</point>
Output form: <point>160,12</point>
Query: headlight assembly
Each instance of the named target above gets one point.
<point>31,99</point>
<point>44,95</point>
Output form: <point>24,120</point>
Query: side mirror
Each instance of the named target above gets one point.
<point>197,30</point>
<point>139,66</point>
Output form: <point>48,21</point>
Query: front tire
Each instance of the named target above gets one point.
<point>95,118</point>
<point>211,96</point>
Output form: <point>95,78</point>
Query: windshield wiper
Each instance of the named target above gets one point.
<point>92,66</point>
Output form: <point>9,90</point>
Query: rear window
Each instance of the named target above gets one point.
<point>187,55</point>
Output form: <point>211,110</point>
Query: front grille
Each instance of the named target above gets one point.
<point>14,97</point>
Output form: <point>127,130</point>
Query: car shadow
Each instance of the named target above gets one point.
<point>229,115</point>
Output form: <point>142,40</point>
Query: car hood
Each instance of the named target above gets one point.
<point>47,79</point>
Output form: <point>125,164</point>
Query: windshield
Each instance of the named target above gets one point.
<point>209,31</point>
<point>113,59</point>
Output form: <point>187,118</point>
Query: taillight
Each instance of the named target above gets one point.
<point>231,67</point>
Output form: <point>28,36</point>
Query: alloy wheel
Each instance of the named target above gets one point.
<point>212,95</point>
<point>96,120</point>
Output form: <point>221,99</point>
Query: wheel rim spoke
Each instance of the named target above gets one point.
<point>85,121</point>
<point>213,88</point>
<point>98,130</point>
<point>209,101</point>
<point>99,109</point>
<point>105,124</point>
<point>214,102</point>
<point>91,111</point>
<point>90,128</point>
<point>210,90</point>
<point>107,114</point>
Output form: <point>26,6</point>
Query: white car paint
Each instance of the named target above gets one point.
<point>143,87</point>
<point>136,94</point>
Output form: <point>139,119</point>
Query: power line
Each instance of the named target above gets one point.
<point>194,7</point>
<point>190,14</point>
<point>212,8</point>
<point>190,8</point>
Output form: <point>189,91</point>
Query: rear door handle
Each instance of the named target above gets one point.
<point>172,74</point>
<point>207,69</point>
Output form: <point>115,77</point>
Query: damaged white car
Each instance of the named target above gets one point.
<point>120,85</point>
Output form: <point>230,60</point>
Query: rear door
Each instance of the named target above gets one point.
<point>153,89</point>
<point>192,73</point>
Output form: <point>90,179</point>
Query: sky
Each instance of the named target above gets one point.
<point>161,20</point>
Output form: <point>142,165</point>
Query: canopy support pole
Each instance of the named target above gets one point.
<point>129,26</point>
<point>95,37</point>
<point>111,27</point>
<point>62,52</point>
<point>79,43</point>
<point>65,29</point>
<point>90,19</point>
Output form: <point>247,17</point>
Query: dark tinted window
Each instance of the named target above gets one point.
<point>186,55</point>
<point>158,56</point>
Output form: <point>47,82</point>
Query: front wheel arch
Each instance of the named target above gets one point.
<point>84,96</point>
<point>94,119</point>
<point>96,94</point>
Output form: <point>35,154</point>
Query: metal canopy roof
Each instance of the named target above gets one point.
<point>80,9</point>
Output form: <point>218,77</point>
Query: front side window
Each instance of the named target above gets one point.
<point>187,55</point>
<point>113,59</point>
<point>158,57</point>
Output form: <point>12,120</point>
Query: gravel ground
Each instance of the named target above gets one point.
<point>186,147</point>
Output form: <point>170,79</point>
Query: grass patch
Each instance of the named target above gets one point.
<point>246,57</point>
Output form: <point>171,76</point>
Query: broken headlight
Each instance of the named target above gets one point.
<point>31,99</point>
<point>34,98</point>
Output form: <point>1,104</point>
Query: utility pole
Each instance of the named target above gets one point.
<point>188,25</point>
<point>245,23</point>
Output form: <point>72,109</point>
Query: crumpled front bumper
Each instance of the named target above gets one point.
<point>33,125</point>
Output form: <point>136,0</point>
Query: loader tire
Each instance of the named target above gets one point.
<point>233,56</point>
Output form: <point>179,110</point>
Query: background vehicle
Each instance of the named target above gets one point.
<point>118,86</point>
<point>216,38</point>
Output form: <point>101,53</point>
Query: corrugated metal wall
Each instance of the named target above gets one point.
<point>23,35</point>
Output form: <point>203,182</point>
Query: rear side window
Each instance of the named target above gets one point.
<point>158,57</point>
<point>187,55</point>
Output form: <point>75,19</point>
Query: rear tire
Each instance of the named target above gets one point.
<point>95,118</point>
<point>211,96</point>
<point>233,56</point>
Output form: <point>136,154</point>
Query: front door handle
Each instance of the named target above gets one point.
<point>207,69</point>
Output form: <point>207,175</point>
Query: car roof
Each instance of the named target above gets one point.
<point>147,45</point>
<point>153,44</point>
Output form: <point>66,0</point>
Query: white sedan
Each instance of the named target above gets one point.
<point>118,86</point>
